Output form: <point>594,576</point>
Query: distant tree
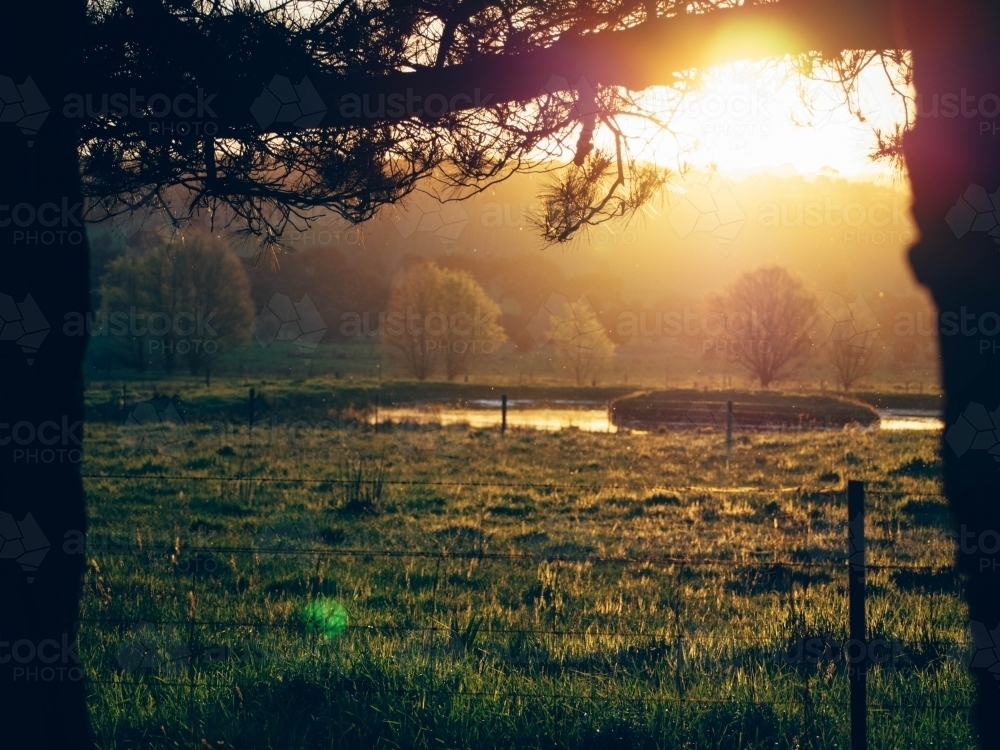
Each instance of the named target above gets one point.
<point>436,313</point>
<point>218,295</point>
<point>766,313</point>
<point>851,362</point>
<point>472,321</point>
<point>187,297</point>
<point>582,342</point>
<point>123,289</point>
<point>412,299</point>
<point>846,332</point>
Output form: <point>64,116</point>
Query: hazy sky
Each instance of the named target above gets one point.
<point>752,116</point>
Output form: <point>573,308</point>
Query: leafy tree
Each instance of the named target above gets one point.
<point>217,290</point>
<point>188,297</point>
<point>412,299</point>
<point>437,313</point>
<point>124,288</point>
<point>473,321</point>
<point>766,314</point>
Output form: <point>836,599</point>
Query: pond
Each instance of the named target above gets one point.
<point>909,419</point>
<point>589,416</point>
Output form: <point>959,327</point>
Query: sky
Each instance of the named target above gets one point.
<point>751,116</point>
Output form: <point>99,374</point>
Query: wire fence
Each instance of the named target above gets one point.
<point>441,640</point>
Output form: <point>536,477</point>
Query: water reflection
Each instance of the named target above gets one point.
<point>550,418</point>
<point>902,419</point>
<point>588,416</point>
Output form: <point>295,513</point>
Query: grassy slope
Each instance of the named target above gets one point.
<point>753,409</point>
<point>533,631</point>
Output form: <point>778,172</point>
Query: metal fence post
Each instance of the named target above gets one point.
<point>857,674</point>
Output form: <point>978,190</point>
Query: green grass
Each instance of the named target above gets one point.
<point>522,592</point>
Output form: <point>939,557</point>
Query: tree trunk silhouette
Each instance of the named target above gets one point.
<point>956,50</point>
<point>42,698</point>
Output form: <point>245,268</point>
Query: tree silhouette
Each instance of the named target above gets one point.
<point>767,312</point>
<point>496,81</point>
<point>850,363</point>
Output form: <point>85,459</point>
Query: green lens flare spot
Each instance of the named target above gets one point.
<point>326,618</point>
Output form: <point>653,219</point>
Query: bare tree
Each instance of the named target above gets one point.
<point>766,314</point>
<point>582,342</point>
<point>846,332</point>
<point>851,363</point>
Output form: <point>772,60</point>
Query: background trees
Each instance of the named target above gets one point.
<point>766,315</point>
<point>851,362</point>
<point>846,333</point>
<point>581,341</point>
<point>186,298</point>
<point>438,314</point>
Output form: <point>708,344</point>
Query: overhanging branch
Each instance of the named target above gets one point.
<point>637,58</point>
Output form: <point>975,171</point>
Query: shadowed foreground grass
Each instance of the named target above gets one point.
<point>546,590</point>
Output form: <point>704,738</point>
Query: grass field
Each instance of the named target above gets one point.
<point>330,587</point>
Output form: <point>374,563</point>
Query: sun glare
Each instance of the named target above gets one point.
<point>762,117</point>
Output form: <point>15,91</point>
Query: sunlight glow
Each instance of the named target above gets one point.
<point>749,117</point>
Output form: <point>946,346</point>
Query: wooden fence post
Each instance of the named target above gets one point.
<point>857,674</point>
<point>250,414</point>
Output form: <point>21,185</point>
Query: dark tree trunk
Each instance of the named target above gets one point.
<point>42,697</point>
<point>956,50</point>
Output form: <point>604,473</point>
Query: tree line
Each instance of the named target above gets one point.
<point>167,304</point>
